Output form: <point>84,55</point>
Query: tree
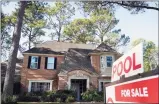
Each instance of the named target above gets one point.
<point>59,16</point>
<point>150,53</point>
<point>79,31</point>
<point>34,22</point>
<point>103,22</point>
<point>133,6</point>
<point>9,77</point>
<point>97,29</point>
<point>5,36</point>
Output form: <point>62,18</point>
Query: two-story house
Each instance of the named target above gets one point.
<point>60,65</point>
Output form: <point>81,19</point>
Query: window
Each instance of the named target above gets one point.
<point>50,63</point>
<point>106,61</point>
<point>101,85</point>
<point>109,61</point>
<point>40,86</point>
<point>102,62</point>
<point>34,62</point>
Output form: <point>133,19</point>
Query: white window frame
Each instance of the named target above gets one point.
<point>99,85</point>
<point>48,81</point>
<point>50,63</point>
<point>105,61</point>
<point>34,62</point>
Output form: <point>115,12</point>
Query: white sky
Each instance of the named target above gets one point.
<point>142,25</point>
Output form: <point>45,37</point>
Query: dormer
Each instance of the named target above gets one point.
<point>102,58</point>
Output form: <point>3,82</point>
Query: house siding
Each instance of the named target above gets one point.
<point>39,74</point>
<point>60,82</point>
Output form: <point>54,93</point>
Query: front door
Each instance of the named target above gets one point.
<point>79,86</point>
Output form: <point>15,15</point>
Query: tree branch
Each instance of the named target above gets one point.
<point>141,6</point>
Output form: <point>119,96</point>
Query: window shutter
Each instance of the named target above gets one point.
<point>55,63</point>
<point>39,60</point>
<point>46,59</point>
<point>29,61</point>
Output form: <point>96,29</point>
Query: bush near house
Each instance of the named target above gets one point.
<point>10,100</point>
<point>93,95</point>
<point>56,96</point>
<point>50,96</point>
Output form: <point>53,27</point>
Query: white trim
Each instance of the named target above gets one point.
<point>30,81</point>
<point>105,61</point>
<point>102,80</point>
<point>51,63</point>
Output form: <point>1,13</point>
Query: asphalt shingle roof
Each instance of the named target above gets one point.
<point>42,50</point>
<point>104,48</point>
<point>77,59</point>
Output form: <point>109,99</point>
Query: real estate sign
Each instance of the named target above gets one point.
<point>143,90</point>
<point>129,64</point>
<point>133,88</point>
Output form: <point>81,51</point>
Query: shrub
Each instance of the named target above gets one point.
<point>46,96</point>
<point>28,98</point>
<point>70,99</point>
<point>10,100</point>
<point>92,95</point>
<point>49,96</point>
<point>62,95</point>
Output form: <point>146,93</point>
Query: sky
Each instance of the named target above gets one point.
<point>142,25</point>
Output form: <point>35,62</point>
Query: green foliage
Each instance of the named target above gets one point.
<point>96,29</point>
<point>133,6</point>
<point>59,16</point>
<point>5,36</point>
<point>79,31</point>
<point>34,22</point>
<point>10,100</point>
<point>70,99</point>
<point>150,53</point>
<point>49,96</point>
<point>93,95</point>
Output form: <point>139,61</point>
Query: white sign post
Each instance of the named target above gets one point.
<point>129,64</point>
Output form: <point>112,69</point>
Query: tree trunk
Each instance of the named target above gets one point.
<point>30,39</point>
<point>59,37</point>
<point>9,77</point>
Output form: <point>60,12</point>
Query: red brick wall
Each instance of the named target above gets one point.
<point>39,74</point>
<point>95,59</point>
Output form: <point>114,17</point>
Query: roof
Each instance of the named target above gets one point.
<point>64,46</point>
<point>77,59</point>
<point>42,50</point>
<point>104,48</point>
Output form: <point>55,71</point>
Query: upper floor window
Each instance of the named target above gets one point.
<point>34,62</point>
<point>106,61</point>
<point>109,61</point>
<point>50,63</point>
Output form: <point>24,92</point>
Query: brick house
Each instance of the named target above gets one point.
<point>60,65</point>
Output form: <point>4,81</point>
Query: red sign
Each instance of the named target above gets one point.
<point>141,91</point>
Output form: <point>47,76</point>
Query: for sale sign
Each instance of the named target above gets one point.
<point>143,90</point>
<point>129,64</point>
